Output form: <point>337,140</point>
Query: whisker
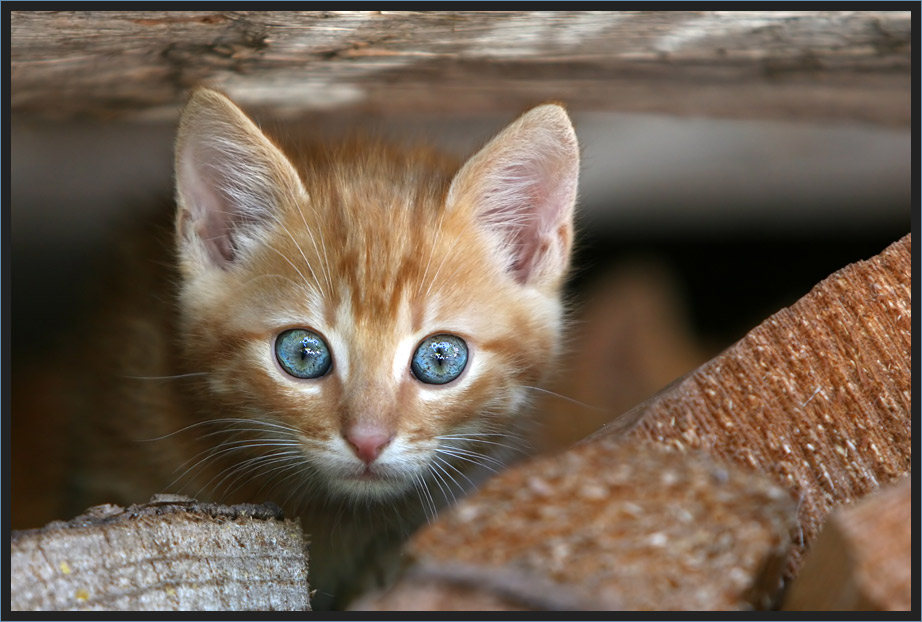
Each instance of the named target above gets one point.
<point>432,247</point>
<point>211,454</point>
<point>564,397</point>
<point>301,250</point>
<point>483,441</point>
<point>425,498</point>
<point>439,481</point>
<point>514,440</point>
<point>221,421</point>
<point>240,469</point>
<point>438,464</point>
<point>436,275</point>
<point>309,287</point>
<point>465,435</point>
<point>472,457</point>
<point>298,470</point>
<point>271,276</point>
<point>321,250</point>
<point>276,460</point>
<point>448,464</point>
<point>173,377</point>
<point>228,446</point>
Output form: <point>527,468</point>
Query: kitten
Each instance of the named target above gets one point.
<point>353,335</point>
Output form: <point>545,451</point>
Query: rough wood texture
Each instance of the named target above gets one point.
<point>640,528</point>
<point>819,395</point>
<point>862,559</point>
<point>172,554</point>
<point>841,65</point>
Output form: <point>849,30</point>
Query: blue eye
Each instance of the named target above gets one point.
<point>303,353</point>
<point>439,359</point>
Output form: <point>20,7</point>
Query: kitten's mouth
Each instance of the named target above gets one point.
<point>368,475</point>
<point>372,483</point>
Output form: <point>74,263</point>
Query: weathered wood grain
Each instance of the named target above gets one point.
<point>819,395</point>
<point>821,65</point>
<point>172,554</point>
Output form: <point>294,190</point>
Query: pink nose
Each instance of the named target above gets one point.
<point>368,441</point>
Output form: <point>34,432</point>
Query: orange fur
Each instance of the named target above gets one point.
<point>374,248</point>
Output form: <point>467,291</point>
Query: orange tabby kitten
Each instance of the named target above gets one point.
<point>354,337</point>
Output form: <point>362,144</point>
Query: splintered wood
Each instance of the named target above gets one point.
<point>708,495</point>
<point>169,555</point>
<point>862,559</point>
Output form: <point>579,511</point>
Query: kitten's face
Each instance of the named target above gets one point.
<point>383,320</point>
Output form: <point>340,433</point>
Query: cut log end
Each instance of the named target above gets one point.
<point>171,554</point>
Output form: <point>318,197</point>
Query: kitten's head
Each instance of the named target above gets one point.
<point>380,316</point>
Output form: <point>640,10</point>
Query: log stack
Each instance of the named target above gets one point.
<point>796,440</point>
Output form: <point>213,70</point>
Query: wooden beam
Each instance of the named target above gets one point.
<point>817,65</point>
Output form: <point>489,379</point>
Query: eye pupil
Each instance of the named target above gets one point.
<point>439,359</point>
<point>303,353</point>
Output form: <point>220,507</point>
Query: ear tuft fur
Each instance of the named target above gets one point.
<point>522,189</point>
<point>231,181</point>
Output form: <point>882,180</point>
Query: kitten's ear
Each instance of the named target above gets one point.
<point>522,189</point>
<point>230,181</point>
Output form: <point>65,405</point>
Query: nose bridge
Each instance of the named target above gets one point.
<point>369,401</point>
<point>370,395</point>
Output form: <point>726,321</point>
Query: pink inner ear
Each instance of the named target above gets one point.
<point>231,189</point>
<point>529,202</point>
<point>521,188</point>
<point>208,208</point>
<point>231,180</point>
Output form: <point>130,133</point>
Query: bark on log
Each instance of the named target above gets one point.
<point>640,529</point>
<point>171,554</point>
<point>819,395</point>
<point>840,65</point>
<point>862,559</point>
